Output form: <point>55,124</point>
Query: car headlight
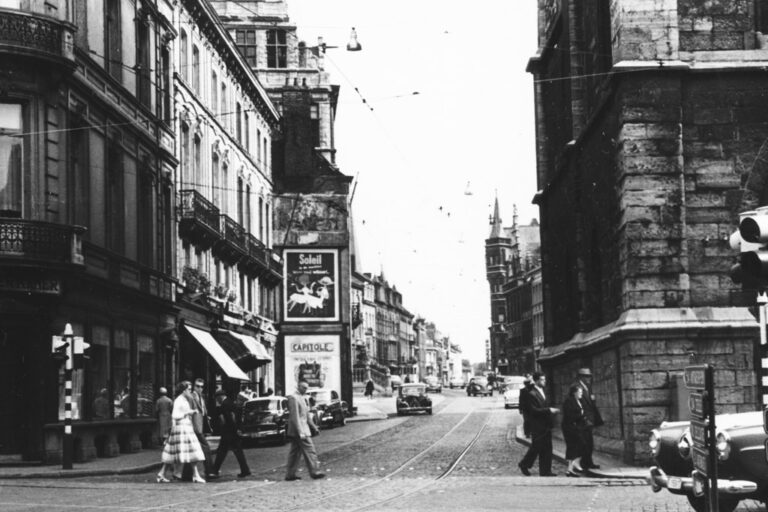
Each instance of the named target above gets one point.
<point>723,445</point>
<point>654,441</point>
<point>684,445</point>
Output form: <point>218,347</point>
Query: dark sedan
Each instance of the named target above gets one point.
<point>742,467</point>
<point>264,418</point>
<point>328,407</point>
<point>413,398</point>
<point>479,386</point>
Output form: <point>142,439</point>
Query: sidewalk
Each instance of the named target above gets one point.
<point>610,467</point>
<point>149,460</point>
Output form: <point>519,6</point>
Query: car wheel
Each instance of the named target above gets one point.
<point>283,438</point>
<point>429,411</point>
<point>399,412</point>
<point>341,420</point>
<point>724,504</point>
<point>506,406</point>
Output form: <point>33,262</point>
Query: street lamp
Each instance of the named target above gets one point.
<point>352,46</point>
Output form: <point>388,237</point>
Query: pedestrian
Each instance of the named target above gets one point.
<point>522,404</point>
<point>542,421</point>
<point>163,411</point>
<point>182,446</point>
<point>592,415</point>
<point>574,424</point>
<point>230,440</point>
<point>300,430</point>
<point>407,379</point>
<point>200,421</point>
<point>369,389</point>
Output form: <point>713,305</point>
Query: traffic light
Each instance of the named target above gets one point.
<point>752,241</point>
<point>80,346</point>
<point>59,348</point>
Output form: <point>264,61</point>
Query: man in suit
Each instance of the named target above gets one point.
<point>541,421</point>
<point>198,421</point>
<point>227,422</point>
<point>591,414</point>
<point>522,404</point>
<point>300,430</point>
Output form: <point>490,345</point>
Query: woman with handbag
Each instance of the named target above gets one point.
<point>574,425</point>
<point>182,446</point>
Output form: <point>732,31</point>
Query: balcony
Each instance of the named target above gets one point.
<point>199,219</point>
<point>256,261</point>
<point>123,271</point>
<point>32,35</point>
<point>33,242</point>
<point>233,245</point>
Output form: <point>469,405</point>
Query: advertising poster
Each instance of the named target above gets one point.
<point>311,285</point>
<point>314,358</point>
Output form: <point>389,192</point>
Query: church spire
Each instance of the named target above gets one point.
<point>495,220</point>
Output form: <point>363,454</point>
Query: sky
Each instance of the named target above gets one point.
<point>447,123</point>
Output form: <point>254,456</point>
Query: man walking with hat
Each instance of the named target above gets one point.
<point>591,414</point>
<point>227,421</point>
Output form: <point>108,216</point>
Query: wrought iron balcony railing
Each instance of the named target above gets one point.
<point>233,236</point>
<point>35,35</point>
<point>42,242</point>
<point>199,217</point>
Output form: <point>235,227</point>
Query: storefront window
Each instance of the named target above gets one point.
<point>11,150</point>
<point>145,376</point>
<point>77,385</point>
<point>98,373</point>
<point>121,374</point>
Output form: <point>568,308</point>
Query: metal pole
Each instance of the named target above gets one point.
<point>762,303</point>
<point>714,505</point>
<point>69,339</point>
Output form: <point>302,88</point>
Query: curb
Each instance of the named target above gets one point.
<point>79,473</point>
<point>599,473</point>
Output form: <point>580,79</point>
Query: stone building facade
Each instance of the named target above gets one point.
<point>651,121</point>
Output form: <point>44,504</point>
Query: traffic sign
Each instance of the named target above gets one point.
<point>696,377</point>
<point>700,460</point>
<point>697,404</point>
<point>699,433</point>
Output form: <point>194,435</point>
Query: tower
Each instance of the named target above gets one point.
<point>498,249</point>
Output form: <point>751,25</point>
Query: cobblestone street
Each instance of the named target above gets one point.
<point>410,463</point>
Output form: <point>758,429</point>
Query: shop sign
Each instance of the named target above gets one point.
<point>314,358</point>
<point>31,284</point>
<point>311,286</point>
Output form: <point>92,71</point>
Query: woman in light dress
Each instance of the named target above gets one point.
<point>182,446</point>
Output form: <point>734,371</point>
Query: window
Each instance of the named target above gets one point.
<point>247,224</point>
<point>184,55</point>
<point>195,69</point>
<point>214,92</point>
<point>97,378</point>
<point>121,374</point>
<point>215,180</point>
<point>314,116</point>
<point>144,68</point>
<point>113,40</point>
<point>185,171</point>
<point>224,188</point>
<point>164,84</point>
<point>258,145</point>
<point>277,49</point>
<point>247,142</point>
<point>11,151</point>
<point>145,218</point>
<point>165,228</point>
<point>197,165</point>
<point>246,41</point>
<point>145,376</point>
<point>240,200</point>
<point>115,196</point>
<point>78,189</point>
<point>239,123</point>
<point>261,219</point>
<point>223,114</point>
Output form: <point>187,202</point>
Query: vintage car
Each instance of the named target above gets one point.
<point>264,418</point>
<point>742,467</point>
<point>395,381</point>
<point>457,382</point>
<point>433,384</point>
<point>329,409</point>
<point>413,398</point>
<point>479,386</point>
<point>512,394</point>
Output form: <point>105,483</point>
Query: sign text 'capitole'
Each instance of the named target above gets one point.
<point>312,347</point>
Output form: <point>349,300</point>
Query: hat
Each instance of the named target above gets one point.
<point>585,371</point>
<point>220,392</point>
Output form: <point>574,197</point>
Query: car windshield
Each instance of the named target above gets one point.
<point>412,391</point>
<point>481,381</point>
<point>322,396</point>
<point>431,380</point>
<point>261,405</point>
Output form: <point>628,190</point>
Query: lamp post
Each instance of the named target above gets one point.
<point>68,338</point>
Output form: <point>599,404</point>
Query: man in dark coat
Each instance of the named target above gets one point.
<point>522,403</point>
<point>542,421</point>
<point>591,414</point>
<point>227,421</point>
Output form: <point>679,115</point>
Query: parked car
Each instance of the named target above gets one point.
<point>264,418</point>
<point>742,467</point>
<point>328,407</point>
<point>479,386</point>
<point>433,384</point>
<point>512,394</point>
<point>413,398</point>
<point>457,382</point>
<point>395,381</point>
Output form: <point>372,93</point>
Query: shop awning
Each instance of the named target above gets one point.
<point>211,346</point>
<point>245,350</point>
